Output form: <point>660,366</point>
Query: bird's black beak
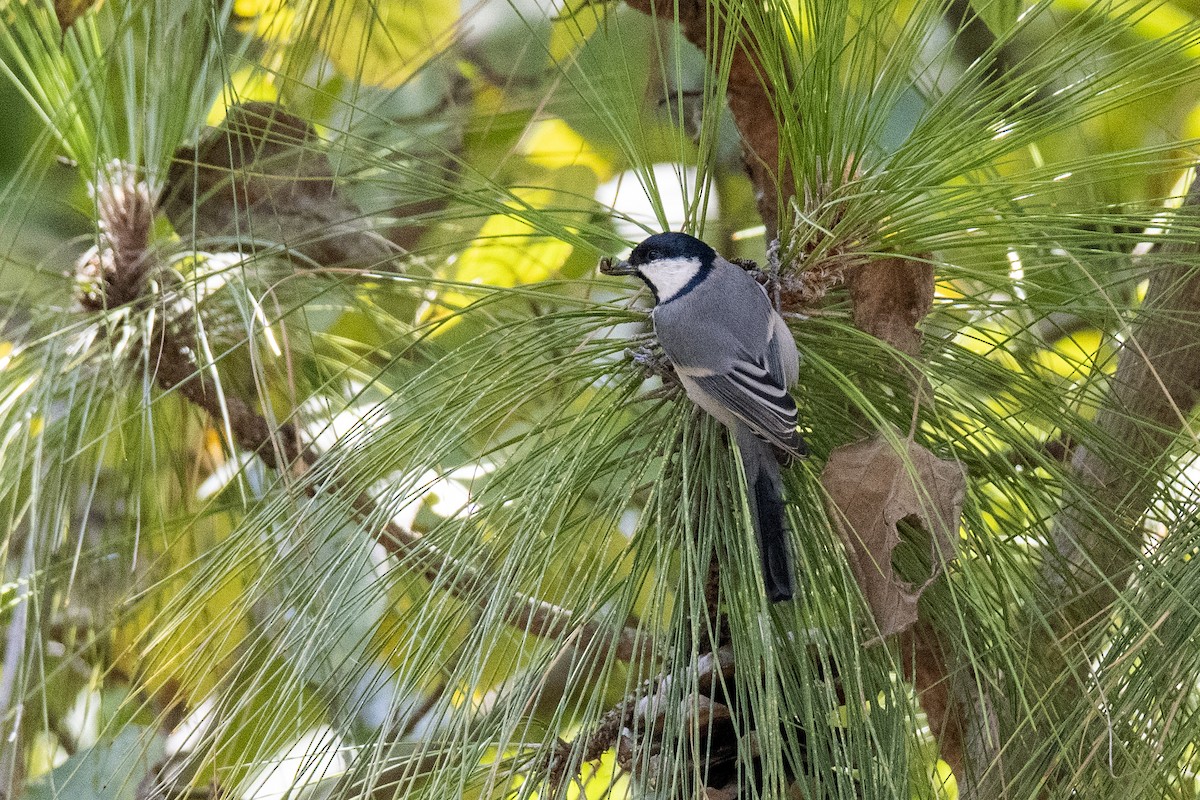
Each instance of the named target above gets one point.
<point>611,266</point>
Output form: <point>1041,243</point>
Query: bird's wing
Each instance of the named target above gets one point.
<point>783,360</point>
<point>755,397</point>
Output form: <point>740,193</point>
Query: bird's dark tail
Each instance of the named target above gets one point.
<point>765,486</point>
<point>772,539</point>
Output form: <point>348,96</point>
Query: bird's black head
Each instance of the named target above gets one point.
<point>672,245</point>
<point>671,264</point>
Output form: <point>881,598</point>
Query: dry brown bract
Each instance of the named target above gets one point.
<point>872,488</point>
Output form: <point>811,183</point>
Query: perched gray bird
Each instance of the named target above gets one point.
<point>736,358</point>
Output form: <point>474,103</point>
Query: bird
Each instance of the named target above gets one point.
<point>736,359</point>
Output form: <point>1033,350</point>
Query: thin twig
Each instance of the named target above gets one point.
<point>280,448</point>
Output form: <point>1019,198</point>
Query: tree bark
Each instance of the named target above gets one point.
<point>1150,395</point>
<point>1098,535</point>
<point>751,101</point>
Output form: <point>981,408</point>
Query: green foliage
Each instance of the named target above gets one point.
<point>265,629</point>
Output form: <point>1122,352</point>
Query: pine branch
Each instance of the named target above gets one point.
<point>889,298</point>
<point>117,272</point>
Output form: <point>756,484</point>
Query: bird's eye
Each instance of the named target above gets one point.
<point>654,255</point>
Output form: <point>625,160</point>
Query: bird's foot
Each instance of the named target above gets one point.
<point>653,361</point>
<point>774,284</point>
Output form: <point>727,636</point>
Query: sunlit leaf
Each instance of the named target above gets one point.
<point>112,769</point>
<point>384,42</point>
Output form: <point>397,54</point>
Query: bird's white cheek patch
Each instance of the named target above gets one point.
<point>669,275</point>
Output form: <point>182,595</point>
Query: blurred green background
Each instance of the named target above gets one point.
<point>379,221</point>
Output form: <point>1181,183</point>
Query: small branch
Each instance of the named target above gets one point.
<point>718,623</point>
<point>281,449</point>
<point>923,660</point>
<point>176,369</point>
<point>602,738</point>
<point>635,726</point>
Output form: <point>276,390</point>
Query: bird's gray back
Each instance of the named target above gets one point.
<point>727,316</point>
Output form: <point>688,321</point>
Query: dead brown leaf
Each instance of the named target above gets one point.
<point>873,490</point>
<point>890,297</point>
<point>263,179</point>
<point>68,11</point>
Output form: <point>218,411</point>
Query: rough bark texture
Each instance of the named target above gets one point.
<point>923,658</point>
<point>889,298</point>
<point>1156,383</point>
<point>751,101</point>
